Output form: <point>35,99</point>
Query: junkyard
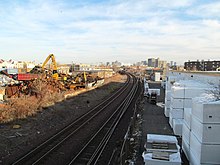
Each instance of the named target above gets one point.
<point>109,82</point>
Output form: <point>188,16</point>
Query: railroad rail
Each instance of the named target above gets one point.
<point>65,147</point>
<point>90,155</point>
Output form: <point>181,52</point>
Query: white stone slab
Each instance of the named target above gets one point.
<point>186,92</point>
<point>177,92</point>
<point>177,126</point>
<point>176,113</point>
<point>171,120</point>
<point>187,103</point>
<point>167,103</point>
<point>204,153</point>
<point>161,138</point>
<point>187,116</point>
<point>149,148</point>
<point>166,111</point>
<point>186,148</point>
<point>185,133</point>
<point>206,112</point>
<point>174,159</point>
<point>167,94</point>
<point>176,103</point>
<point>206,133</point>
<point>194,161</point>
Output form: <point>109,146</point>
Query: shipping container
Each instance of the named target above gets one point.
<point>28,76</point>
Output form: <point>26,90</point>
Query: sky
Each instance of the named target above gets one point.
<point>100,31</point>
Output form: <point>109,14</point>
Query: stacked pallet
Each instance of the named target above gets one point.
<point>186,129</point>
<point>201,143</point>
<point>182,93</point>
<point>169,84</point>
<point>167,103</point>
<point>195,114</point>
<point>161,150</point>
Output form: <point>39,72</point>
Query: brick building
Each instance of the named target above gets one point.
<point>202,65</point>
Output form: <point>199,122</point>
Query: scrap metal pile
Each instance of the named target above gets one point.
<point>25,84</point>
<point>19,84</point>
<point>25,93</point>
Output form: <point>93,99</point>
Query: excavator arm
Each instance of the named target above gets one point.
<point>51,56</point>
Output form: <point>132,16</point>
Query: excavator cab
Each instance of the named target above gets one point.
<point>55,75</point>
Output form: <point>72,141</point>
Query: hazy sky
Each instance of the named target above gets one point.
<point>93,31</point>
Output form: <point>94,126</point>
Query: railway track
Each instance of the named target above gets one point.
<point>92,131</point>
<point>90,154</point>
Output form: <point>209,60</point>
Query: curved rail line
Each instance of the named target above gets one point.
<point>101,138</point>
<point>48,146</point>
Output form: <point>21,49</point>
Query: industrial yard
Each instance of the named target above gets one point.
<point>20,135</point>
<point>23,93</point>
<point>192,105</point>
<point>109,82</point>
<point>169,113</point>
<point>37,105</point>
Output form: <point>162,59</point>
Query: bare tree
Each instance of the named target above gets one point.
<point>216,91</point>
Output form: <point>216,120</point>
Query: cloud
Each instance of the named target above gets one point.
<point>206,10</point>
<point>126,31</point>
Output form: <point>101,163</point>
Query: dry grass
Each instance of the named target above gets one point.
<point>19,108</point>
<point>41,95</point>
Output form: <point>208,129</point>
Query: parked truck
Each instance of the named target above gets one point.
<point>152,95</point>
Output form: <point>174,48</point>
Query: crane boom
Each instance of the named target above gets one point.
<point>52,57</point>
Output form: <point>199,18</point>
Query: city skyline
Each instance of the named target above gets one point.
<point>95,31</point>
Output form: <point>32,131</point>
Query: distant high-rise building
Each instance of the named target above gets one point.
<point>151,62</point>
<point>144,62</point>
<point>171,63</point>
<point>162,64</point>
<point>157,62</point>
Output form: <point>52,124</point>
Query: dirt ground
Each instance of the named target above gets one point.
<point>19,136</point>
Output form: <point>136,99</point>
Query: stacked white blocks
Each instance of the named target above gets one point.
<point>200,145</point>
<point>173,154</point>
<point>182,93</point>
<point>169,84</point>
<point>177,126</point>
<point>186,130</point>
<point>205,133</point>
<point>167,103</point>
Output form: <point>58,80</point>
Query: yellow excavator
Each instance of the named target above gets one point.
<point>54,66</point>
